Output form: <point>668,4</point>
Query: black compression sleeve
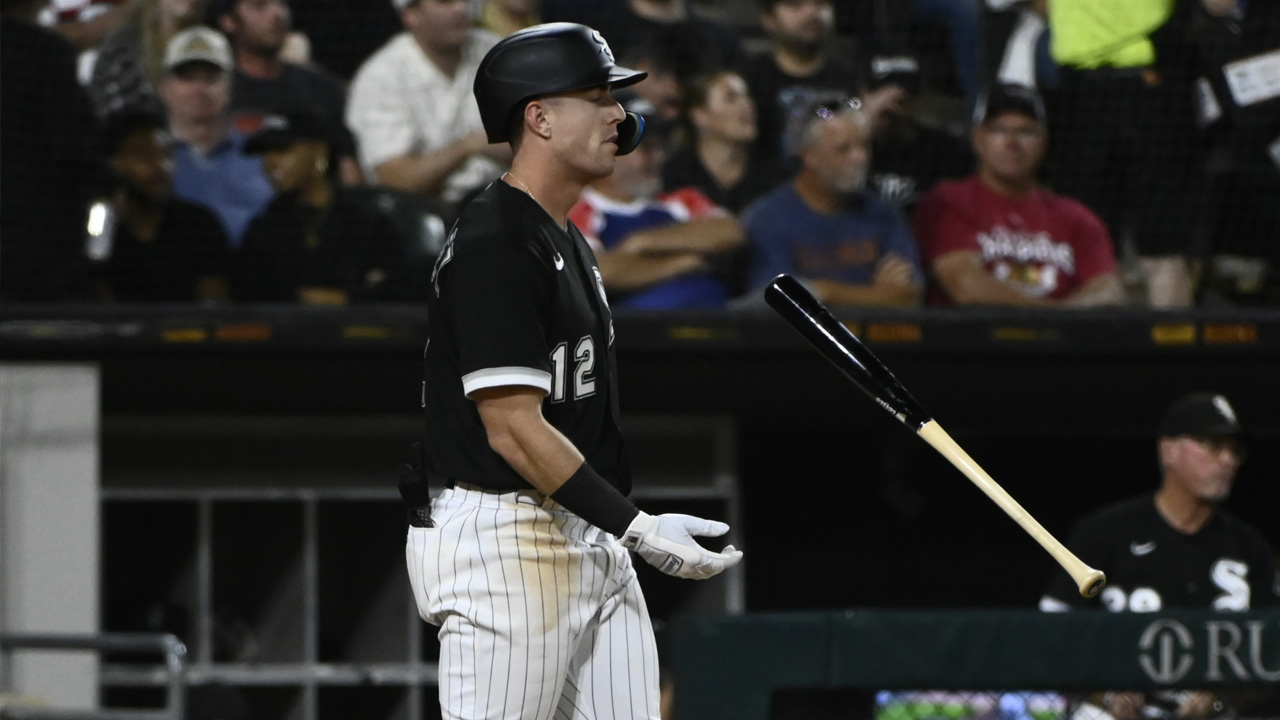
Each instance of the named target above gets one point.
<point>593,499</point>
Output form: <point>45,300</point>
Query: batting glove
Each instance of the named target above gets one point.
<point>666,542</point>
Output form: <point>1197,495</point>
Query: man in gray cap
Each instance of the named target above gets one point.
<point>210,166</point>
<point>1176,548</point>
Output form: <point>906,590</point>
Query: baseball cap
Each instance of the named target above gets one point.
<point>198,44</point>
<point>281,131</point>
<point>902,70</point>
<point>1011,98</point>
<point>1200,415</point>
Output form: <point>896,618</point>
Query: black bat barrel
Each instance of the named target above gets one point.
<point>836,343</point>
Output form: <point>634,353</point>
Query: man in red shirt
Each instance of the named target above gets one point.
<point>998,238</point>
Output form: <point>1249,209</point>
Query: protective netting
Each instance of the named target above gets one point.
<point>1162,119</point>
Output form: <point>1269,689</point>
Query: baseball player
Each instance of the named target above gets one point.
<point>522,560</point>
<point>1176,549</point>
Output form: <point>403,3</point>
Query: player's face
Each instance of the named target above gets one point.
<point>1010,146</point>
<point>144,163</point>
<point>1204,468</point>
<point>729,111</point>
<point>584,130</point>
<point>441,24</point>
<point>802,23</point>
<point>289,168</point>
<point>839,155</point>
<point>261,24</point>
<point>196,90</point>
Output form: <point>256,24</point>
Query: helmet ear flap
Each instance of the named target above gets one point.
<point>630,132</point>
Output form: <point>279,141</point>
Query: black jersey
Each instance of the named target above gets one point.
<point>1151,566</point>
<point>518,300</point>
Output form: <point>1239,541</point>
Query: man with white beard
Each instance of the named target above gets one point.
<point>824,228</point>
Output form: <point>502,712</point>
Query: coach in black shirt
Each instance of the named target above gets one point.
<point>1176,549</point>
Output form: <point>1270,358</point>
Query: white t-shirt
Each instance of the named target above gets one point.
<point>401,104</point>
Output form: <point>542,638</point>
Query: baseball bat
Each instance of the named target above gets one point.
<point>836,343</point>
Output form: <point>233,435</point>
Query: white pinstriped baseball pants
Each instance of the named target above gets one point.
<point>540,613</point>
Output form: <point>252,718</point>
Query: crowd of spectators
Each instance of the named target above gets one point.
<point>985,152</point>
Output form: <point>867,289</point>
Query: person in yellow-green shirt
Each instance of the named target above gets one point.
<point>1126,143</point>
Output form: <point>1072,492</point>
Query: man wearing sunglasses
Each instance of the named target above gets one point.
<point>1175,549</point>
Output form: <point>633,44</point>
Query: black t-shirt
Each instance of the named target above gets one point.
<point>349,247</point>
<point>189,245</point>
<point>906,165</point>
<point>1150,566</point>
<point>779,96</point>
<point>685,169</point>
<point>518,300</point>
<point>297,90</point>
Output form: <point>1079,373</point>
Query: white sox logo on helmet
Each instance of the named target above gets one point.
<point>604,46</point>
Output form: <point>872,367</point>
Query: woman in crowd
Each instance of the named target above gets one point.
<point>317,242</point>
<point>716,157</point>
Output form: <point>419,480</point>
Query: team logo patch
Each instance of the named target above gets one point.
<point>604,46</point>
<point>1145,548</point>
<point>1224,408</point>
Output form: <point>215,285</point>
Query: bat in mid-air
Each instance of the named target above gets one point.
<point>836,343</point>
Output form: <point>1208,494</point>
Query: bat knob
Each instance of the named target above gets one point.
<point>1092,582</point>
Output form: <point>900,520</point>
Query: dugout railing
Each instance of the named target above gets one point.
<point>738,668</point>
<point>172,673</point>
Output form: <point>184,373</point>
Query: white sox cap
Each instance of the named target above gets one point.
<point>1200,415</point>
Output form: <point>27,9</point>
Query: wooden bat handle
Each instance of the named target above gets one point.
<point>1088,580</point>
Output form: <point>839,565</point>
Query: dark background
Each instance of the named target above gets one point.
<point>842,505</point>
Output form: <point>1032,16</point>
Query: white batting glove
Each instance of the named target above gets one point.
<point>666,542</point>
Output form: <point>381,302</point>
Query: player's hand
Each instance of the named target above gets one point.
<point>666,542</point>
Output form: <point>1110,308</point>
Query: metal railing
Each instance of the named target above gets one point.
<point>169,646</point>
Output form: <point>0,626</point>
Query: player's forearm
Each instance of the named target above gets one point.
<point>531,446</point>
<point>423,174</point>
<point>625,272</point>
<point>1102,290</point>
<point>545,458</point>
<point>832,292</point>
<point>706,236</point>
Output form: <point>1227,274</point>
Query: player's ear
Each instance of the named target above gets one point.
<point>1167,449</point>
<point>536,120</point>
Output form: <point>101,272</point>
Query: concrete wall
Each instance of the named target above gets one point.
<point>49,524</point>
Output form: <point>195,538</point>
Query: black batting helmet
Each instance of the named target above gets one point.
<point>546,59</point>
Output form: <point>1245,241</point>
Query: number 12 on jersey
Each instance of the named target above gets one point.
<point>584,361</point>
